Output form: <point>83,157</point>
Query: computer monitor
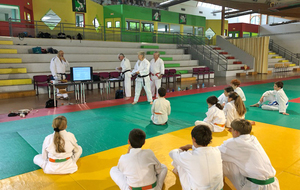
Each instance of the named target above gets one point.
<point>81,74</point>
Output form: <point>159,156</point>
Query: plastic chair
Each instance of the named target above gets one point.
<point>202,72</point>
<point>196,72</point>
<point>165,76</point>
<point>115,74</point>
<point>172,73</point>
<point>207,71</point>
<point>40,80</point>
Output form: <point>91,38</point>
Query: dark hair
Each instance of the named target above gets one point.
<point>137,138</point>
<point>229,89</point>
<point>235,82</point>
<point>121,54</point>
<point>243,126</point>
<point>238,103</point>
<point>214,101</point>
<point>162,92</point>
<point>202,135</point>
<point>279,84</point>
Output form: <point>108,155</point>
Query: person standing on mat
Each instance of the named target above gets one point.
<point>58,66</point>
<point>141,69</point>
<point>157,70</point>
<point>125,68</point>
<point>60,150</point>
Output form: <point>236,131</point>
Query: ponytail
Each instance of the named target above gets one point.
<point>238,103</point>
<point>59,124</point>
<point>214,101</point>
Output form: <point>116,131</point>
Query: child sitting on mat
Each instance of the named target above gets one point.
<point>60,150</point>
<point>139,168</point>
<point>223,98</point>
<point>215,119</point>
<point>235,83</point>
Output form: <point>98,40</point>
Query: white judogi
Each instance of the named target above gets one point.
<point>125,64</point>
<point>215,119</point>
<point>243,157</point>
<point>277,100</point>
<point>199,169</point>
<point>157,68</point>
<point>231,113</point>
<point>58,67</point>
<point>138,168</point>
<point>222,99</point>
<point>240,92</point>
<point>160,110</point>
<point>73,150</point>
<point>143,68</point>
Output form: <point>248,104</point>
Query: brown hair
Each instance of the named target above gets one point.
<point>235,82</point>
<point>238,103</point>
<point>58,124</point>
<point>279,84</point>
<point>214,101</point>
<point>243,126</point>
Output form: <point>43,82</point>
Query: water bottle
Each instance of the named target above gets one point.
<point>168,90</point>
<point>198,86</point>
<point>203,86</point>
<point>186,88</point>
<point>178,88</point>
<point>173,90</point>
<point>191,87</point>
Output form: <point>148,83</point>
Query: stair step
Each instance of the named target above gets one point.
<point>167,58</point>
<point>19,94</point>
<point>14,51</point>
<point>149,47</point>
<point>217,48</point>
<point>10,60</point>
<point>10,82</point>
<point>230,57</point>
<point>6,42</point>
<point>272,53</point>
<point>283,61</point>
<point>237,62</point>
<point>276,57</point>
<point>182,71</point>
<point>223,52</point>
<point>172,65</point>
<point>152,52</point>
<point>13,70</point>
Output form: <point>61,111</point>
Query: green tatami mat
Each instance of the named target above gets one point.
<point>105,128</point>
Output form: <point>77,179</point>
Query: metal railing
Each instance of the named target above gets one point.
<point>202,52</point>
<point>293,57</point>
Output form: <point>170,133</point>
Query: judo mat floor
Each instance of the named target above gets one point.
<point>102,132</point>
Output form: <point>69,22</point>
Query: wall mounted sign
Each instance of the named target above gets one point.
<point>182,18</point>
<point>156,15</point>
<point>79,6</point>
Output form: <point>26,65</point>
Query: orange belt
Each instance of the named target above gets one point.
<point>220,125</point>
<point>157,113</point>
<point>155,74</point>
<point>59,160</point>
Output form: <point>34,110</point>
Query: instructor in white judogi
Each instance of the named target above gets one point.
<point>141,68</point>
<point>125,68</point>
<point>157,70</point>
<point>58,66</point>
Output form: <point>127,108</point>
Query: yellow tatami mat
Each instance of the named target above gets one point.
<point>281,144</point>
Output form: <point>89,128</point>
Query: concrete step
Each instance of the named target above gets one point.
<point>275,60</point>
<point>11,51</point>
<point>17,88</point>
<point>92,50</point>
<point>13,70</point>
<point>45,66</point>
<point>83,43</point>
<point>270,56</point>
<point>10,60</point>
<point>29,58</point>
<point>5,42</point>
<point>10,82</point>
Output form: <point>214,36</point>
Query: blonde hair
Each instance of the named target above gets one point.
<point>58,124</point>
<point>141,53</point>
<point>238,103</point>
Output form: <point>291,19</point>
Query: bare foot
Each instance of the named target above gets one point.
<point>175,171</point>
<point>285,113</point>
<point>151,103</point>
<point>252,122</point>
<point>134,103</point>
<point>126,98</point>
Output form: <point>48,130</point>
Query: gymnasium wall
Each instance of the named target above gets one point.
<point>215,25</point>
<point>288,35</point>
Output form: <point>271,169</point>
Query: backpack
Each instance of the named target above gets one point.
<point>79,36</point>
<point>50,103</point>
<point>119,94</point>
<point>61,35</point>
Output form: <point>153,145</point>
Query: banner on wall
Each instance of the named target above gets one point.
<point>156,15</point>
<point>79,6</point>
<point>182,18</point>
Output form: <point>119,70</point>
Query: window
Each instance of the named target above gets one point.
<point>28,17</point>
<point>10,11</point>
<point>198,31</point>
<point>255,19</point>
<point>118,25</point>
<point>133,25</point>
<point>79,19</point>
<point>187,29</point>
<point>174,28</point>
<point>161,27</point>
<point>108,24</point>
<point>147,27</point>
